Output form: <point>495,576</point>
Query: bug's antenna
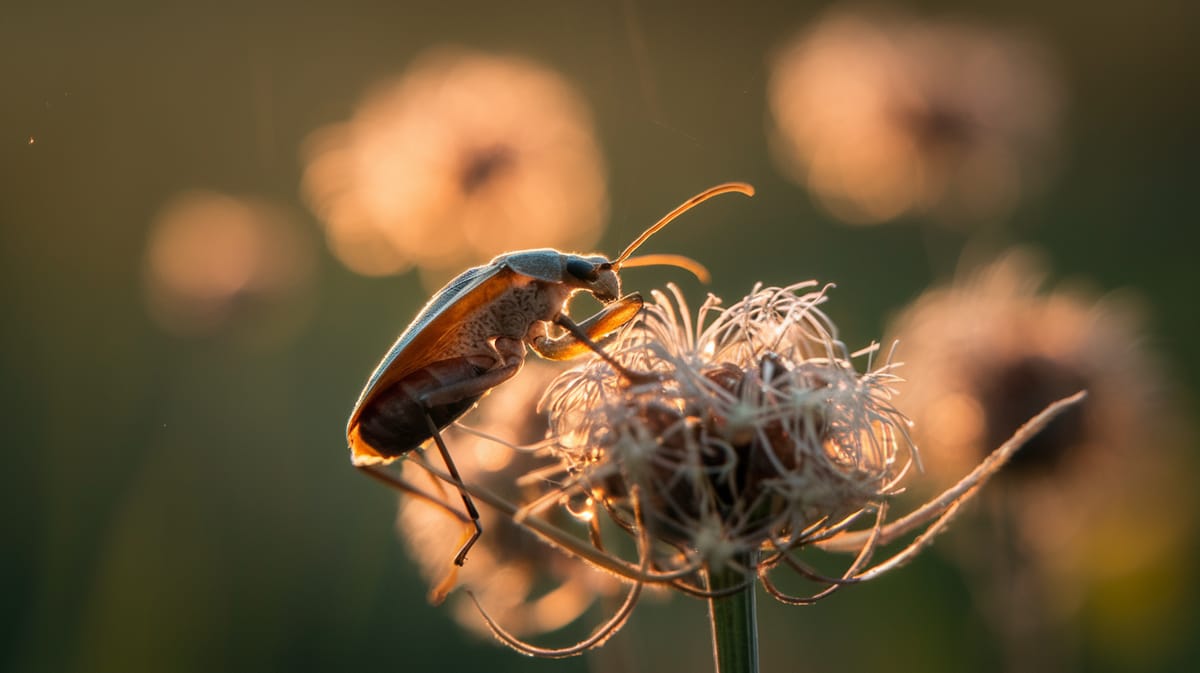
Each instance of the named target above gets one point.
<point>686,263</point>
<point>724,188</point>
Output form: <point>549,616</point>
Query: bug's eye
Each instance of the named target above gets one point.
<point>582,270</point>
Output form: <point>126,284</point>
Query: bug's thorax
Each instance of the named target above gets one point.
<point>524,304</point>
<point>591,273</point>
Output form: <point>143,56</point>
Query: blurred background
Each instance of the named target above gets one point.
<point>215,219</point>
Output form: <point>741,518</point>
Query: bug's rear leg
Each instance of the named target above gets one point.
<point>510,356</point>
<point>472,512</point>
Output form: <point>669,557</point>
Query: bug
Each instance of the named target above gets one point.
<point>471,336</point>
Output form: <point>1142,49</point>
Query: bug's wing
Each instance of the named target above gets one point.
<point>435,325</point>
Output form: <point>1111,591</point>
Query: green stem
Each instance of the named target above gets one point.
<point>734,620</point>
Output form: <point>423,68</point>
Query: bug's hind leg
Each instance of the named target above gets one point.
<point>472,512</point>
<point>510,354</point>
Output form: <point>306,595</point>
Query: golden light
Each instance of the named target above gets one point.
<point>465,156</point>
<point>212,259</point>
<point>882,115</point>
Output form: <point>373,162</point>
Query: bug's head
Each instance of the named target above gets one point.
<point>594,274</point>
<point>598,275</point>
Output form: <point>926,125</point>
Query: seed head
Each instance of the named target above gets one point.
<point>754,432</point>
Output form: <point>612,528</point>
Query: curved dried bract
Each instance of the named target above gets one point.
<point>832,584</point>
<point>599,636</point>
<point>940,507</point>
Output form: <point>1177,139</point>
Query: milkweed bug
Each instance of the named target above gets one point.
<point>472,335</point>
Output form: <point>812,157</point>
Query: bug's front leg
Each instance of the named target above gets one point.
<point>582,337</point>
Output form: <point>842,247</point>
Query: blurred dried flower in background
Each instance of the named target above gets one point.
<point>993,348</point>
<point>881,115</point>
<point>987,352</point>
<point>516,577</point>
<point>214,259</point>
<point>466,156</point>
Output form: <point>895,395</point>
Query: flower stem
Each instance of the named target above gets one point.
<point>734,618</point>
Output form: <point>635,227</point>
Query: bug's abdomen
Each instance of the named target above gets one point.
<point>393,422</point>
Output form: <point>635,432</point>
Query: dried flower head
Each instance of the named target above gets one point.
<point>880,114</point>
<point>466,156</point>
<point>1083,500</point>
<point>755,431</point>
<point>515,576</point>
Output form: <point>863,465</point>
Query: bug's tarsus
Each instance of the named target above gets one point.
<point>472,512</point>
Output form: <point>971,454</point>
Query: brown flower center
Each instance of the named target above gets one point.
<point>1015,393</point>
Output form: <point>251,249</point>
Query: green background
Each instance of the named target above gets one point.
<point>175,504</point>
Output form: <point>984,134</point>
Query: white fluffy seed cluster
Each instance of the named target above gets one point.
<point>756,431</point>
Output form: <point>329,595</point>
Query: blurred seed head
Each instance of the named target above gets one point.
<point>985,351</point>
<point>515,576</point>
<point>994,348</point>
<point>465,156</point>
<point>757,432</point>
<point>215,261</point>
<point>881,114</point>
